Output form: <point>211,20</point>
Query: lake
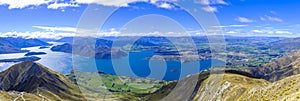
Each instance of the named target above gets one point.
<point>134,64</point>
<point>57,61</point>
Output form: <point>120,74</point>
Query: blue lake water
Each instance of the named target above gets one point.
<point>136,65</point>
<point>57,61</point>
<point>132,65</point>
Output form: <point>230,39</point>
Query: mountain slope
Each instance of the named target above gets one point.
<point>34,78</point>
<point>242,88</point>
<point>288,44</point>
<point>280,68</point>
<point>22,43</point>
<point>14,45</point>
<point>187,88</point>
<point>8,48</point>
<point>231,87</point>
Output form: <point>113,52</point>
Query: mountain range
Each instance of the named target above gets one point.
<point>14,45</point>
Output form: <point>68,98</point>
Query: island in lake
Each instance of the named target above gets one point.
<point>35,53</point>
<point>31,58</point>
<point>43,47</point>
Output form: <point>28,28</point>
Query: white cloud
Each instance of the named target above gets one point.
<point>244,20</point>
<point>58,35</point>
<point>270,18</point>
<point>36,34</point>
<point>164,5</point>
<point>108,2</point>
<point>203,2</point>
<point>23,3</point>
<point>210,5</point>
<point>211,2</point>
<point>238,25</point>
<point>210,9</point>
<point>64,29</point>
<point>61,5</point>
<point>258,31</point>
<point>283,32</point>
<point>59,32</point>
<point>221,2</point>
<point>274,19</point>
<point>271,32</point>
<point>52,4</point>
<point>116,33</point>
<point>219,26</point>
<point>227,26</point>
<point>231,32</point>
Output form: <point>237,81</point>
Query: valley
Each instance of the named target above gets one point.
<point>273,77</point>
<point>149,50</point>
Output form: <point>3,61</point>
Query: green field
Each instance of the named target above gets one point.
<point>98,85</point>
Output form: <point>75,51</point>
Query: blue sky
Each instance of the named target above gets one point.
<point>59,18</point>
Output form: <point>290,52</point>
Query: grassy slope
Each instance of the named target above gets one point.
<point>30,77</point>
<point>241,88</point>
<point>231,87</point>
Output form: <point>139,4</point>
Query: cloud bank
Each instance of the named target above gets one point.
<point>54,4</point>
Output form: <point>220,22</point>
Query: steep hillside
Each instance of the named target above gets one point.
<point>229,87</point>
<point>34,78</point>
<point>187,89</point>
<point>280,68</point>
<point>240,88</point>
<point>232,87</point>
